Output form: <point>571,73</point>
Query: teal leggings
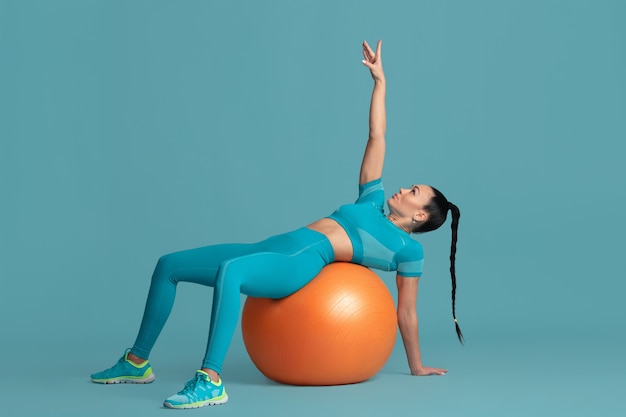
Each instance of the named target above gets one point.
<point>273,268</point>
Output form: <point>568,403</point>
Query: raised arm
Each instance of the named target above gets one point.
<point>408,324</point>
<point>374,157</point>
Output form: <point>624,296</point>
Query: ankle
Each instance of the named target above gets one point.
<point>215,377</point>
<point>135,359</point>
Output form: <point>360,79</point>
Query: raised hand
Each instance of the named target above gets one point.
<point>374,60</point>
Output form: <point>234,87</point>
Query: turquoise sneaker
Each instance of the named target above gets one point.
<point>198,392</point>
<point>125,372</point>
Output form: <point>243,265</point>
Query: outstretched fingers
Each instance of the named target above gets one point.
<point>373,60</point>
<point>368,53</point>
<point>379,49</point>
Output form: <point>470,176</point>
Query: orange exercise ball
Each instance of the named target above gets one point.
<point>338,329</point>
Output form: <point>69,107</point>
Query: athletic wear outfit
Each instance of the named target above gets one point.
<point>273,268</point>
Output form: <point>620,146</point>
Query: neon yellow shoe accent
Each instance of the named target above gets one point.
<point>125,372</point>
<point>199,392</point>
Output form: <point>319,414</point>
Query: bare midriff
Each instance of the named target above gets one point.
<point>339,240</point>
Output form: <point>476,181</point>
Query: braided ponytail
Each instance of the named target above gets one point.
<point>437,210</point>
<point>456,214</point>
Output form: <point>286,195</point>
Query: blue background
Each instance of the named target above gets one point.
<point>130,129</point>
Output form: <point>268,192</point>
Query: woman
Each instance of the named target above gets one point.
<point>282,264</point>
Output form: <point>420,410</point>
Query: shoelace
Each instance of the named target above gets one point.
<point>190,386</point>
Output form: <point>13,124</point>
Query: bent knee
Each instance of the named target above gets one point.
<point>164,269</point>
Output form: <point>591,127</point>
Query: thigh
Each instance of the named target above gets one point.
<point>200,265</point>
<point>273,275</point>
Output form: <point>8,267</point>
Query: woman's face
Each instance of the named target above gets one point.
<point>410,202</point>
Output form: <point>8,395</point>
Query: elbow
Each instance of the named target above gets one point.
<point>377,134</point>
<point>376,142</point>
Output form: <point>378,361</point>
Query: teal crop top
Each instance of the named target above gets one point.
<point>376,241</point>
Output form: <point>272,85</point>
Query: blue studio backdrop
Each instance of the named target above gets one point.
<point>130,129</point>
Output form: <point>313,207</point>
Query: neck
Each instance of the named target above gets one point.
<point>399,222</point>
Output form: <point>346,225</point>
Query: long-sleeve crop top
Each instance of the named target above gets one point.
<point>376,241</point>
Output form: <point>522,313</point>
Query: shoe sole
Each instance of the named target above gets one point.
<point>198,404</point>
<point>125,380</point>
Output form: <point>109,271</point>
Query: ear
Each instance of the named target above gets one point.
<point>420,216</point>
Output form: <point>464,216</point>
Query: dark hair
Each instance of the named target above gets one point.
<point>437,209</point>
